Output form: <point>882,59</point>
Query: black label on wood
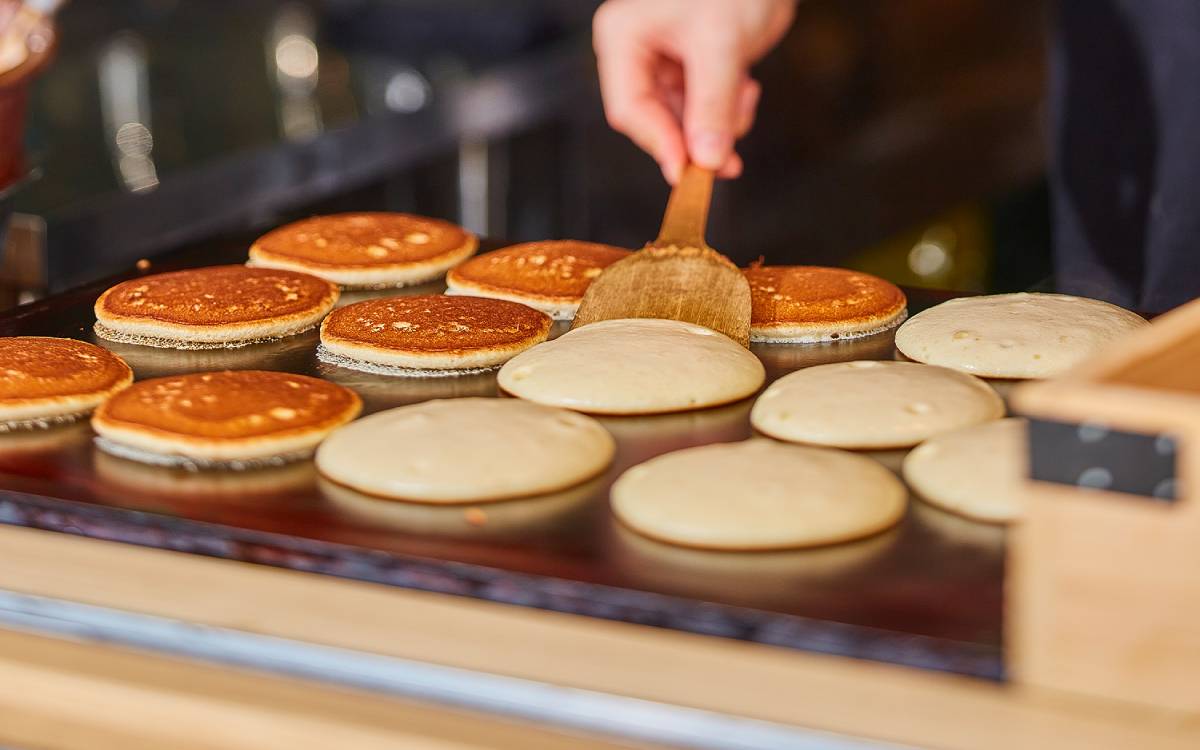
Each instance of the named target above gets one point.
<point>1093,456</point>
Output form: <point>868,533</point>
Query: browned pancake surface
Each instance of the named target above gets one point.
<point>363,240</point>
<point>35,367</point>
<point>783,295</point>
<point>218,295</point>
<point>557,269</point>
<point>436,323</point>
<point>230,405</point>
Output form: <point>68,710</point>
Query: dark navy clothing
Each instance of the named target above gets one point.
<point>1125,150</point>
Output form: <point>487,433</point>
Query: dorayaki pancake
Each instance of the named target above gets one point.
<point>872,405</point>
<point>466,450</point>
<point>979,472</point>
<point>806,304</point>
<point>211,308</point>
<point>634,366</point>
<point>758,495</point>
<point>44,380</point>
<point>551,275</point>
<point>431,334</point>
<point>366,250</point>
<point>223,417</point>
<point>1023,335</point>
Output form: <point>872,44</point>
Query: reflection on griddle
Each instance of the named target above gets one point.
<point>350,296</point>
<point>507,519</point>
<point>780,359</point>
<point>892,460</point>
<point>755,576</point>
<point>19,446</point>
<point>641,438</point>
<point>381,392</point>
<point>181,487</point>
<point>958,529</point>
<point>289,354</point>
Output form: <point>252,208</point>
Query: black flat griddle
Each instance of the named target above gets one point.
<point>927,593</point>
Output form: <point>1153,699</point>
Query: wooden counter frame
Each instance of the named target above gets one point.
<point>835,694</point>
<point>1103,595</point>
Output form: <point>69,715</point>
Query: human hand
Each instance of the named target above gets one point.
<point>675,74</point>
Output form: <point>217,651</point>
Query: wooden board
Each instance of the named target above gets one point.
<point>77,696</point>
<point>846,696</point>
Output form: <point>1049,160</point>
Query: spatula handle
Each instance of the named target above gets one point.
<point>687,209</point>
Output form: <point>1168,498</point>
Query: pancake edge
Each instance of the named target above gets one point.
<point>66,405</point>
<point>461,499</point>
<point>163,442</point>
<point>815,333</point>
<point>216,333</point>
<point>365,275</point>
<point>996,401</point>
<point>885,523</point>
<point>453,359</point>
<point>558,307</point>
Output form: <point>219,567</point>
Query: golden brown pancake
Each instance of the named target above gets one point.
<point>803,304</point>
<point>366,250</point>
<point>43,378</point>
<point>215,307</point>
<point>431,333</point>
<point>551,275</point>
<point>227,416</point>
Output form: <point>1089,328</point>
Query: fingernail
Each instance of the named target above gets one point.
<point>709,148</point>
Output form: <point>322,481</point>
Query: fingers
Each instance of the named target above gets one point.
<point>731,168</point>
<point>748,98</point>
<point>710,110</point>
<point>633,101</point>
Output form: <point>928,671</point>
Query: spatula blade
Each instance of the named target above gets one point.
<point>697,285</point>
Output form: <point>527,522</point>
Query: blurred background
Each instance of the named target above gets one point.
<point>902,138</point>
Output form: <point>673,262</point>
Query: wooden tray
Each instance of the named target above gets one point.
<point>926,594</point>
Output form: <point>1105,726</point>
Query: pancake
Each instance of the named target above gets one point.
<point>366,250</point>
<point>1020,335</point>
<point>213,308</point>
<point>224,418</point>
<point>807,304</point>
<point>758,495</point>
<point>978,472</point>
<point>634,366</point>
<point>466,450</point>
<point>46,380</point>
<point>430,335</point>
<point>550,276</point>
<point>872,405</point>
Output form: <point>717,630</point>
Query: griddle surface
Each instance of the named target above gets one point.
<point>927,594</point>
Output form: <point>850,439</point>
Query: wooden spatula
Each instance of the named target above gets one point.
<point>677,276</point>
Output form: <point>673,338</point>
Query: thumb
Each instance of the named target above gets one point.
<point>710,109</point>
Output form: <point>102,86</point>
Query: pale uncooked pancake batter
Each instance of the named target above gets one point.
<point>634,366</point>
<point>871,404</point>
<point>978,471</point>
<point>466,450</point>
<point>1013,335</point>
<point>758,494</point>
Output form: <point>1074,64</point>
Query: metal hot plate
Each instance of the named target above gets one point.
<point>927,593</point>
